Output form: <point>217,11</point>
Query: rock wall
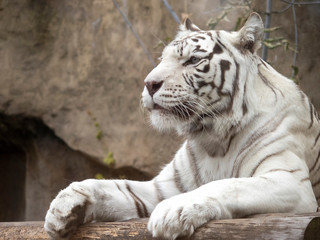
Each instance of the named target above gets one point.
<point>75,67</point>
<point>35,165</point>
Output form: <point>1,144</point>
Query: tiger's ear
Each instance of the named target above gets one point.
<point>251,33</point>
<point>188,26</point>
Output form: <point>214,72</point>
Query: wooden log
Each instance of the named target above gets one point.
<point>271,226</point>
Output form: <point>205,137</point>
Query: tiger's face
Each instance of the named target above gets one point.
<point>196,80</point>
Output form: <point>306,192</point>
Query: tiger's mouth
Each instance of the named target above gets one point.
<point>183,111</point>
<point>158,107</point>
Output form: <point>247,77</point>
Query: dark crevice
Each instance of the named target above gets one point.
<point>18,132</point>
<point>35,165</point>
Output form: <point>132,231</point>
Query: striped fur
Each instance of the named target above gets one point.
<point>252,142</point>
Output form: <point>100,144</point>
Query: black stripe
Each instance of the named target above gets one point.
<point>217,49</point>
<point>224,66</point>
<point>235,85</point>
<point>158,190</point>
<point>253,141</point>
<point>229,144</point>
<point>244,105</point>
<point>82,193</point>
<point>214,102</point>
<point>188,80</point>
<point>181,48</point>
<point>221,44</point>
<point>213,85</point>
<point>225,48</point>
<point>202,84</point>
<point>244,108</point>
<point>205,69</point>
<point>193,164</point>
<point>140,206</point>
<point>210,35</point>
<point>198,49</point>
<point>197,76</point>
<point>267,83</point>
<point>253,171</point>
<point>316,140</point>
<point>264,63</point>
<point>284,170</point>
<point>121,190</point>
<point>262,131</point>
<point>177,178</point>
<point>305,179</point>
<point>311,114</point>
<point>235,81</point>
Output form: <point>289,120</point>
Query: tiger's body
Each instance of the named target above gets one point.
<point>252,142</point>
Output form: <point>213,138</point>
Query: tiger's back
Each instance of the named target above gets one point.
<point>290,123</point>
<point>303,124</point>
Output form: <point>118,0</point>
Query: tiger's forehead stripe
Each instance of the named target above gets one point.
<point>198,49</point>
<point>180,44</point>
<point>217,49</point>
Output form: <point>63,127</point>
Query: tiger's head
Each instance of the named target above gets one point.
<point>201,77</point>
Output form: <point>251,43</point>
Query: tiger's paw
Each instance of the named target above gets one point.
<point>67,211</point>
<point>180,216</point>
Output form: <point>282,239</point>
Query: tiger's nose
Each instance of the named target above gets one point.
<point>153,87</point>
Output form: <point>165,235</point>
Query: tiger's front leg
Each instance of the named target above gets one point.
<point>277,192</point>
<point>98,200</point>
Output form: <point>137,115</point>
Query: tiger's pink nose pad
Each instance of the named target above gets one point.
<point>153,87</point>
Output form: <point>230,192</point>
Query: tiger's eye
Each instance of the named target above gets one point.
<point>194,60</point>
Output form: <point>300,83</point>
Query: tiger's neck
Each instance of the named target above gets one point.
<point>215,135</point>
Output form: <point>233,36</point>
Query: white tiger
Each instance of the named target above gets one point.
<point>252,142</point>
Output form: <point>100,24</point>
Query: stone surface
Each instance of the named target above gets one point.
<point>75,64</point>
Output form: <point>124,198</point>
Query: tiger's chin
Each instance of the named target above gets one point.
<point>165,121</point>
<point>162,120</point>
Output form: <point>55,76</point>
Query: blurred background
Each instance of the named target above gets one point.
<point>71,77</point>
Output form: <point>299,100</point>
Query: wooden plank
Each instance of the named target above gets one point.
<point>271,226</point>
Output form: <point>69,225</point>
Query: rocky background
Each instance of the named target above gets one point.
<point>71,78</point>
